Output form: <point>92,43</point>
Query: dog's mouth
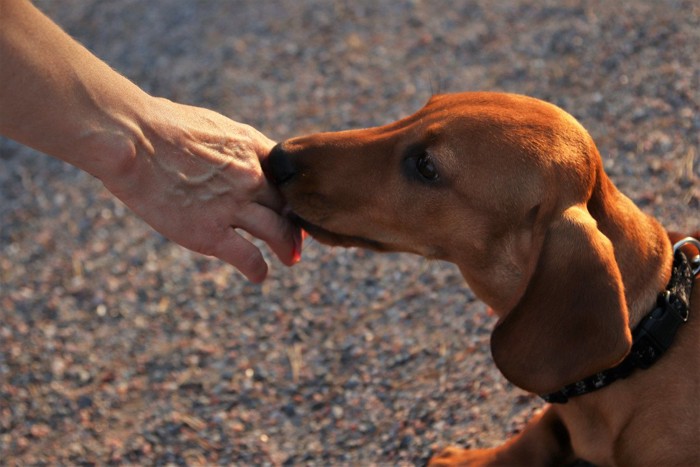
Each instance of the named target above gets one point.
<point>336,239</point>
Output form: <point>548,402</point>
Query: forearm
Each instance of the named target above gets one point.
<point>192,174</point>
<point>60,99</point>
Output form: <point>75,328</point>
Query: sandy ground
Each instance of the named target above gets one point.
<point>119,347</point>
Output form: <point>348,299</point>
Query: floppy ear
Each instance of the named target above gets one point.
<point>572,320</point>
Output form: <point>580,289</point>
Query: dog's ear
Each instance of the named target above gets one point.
<point>572,320</point>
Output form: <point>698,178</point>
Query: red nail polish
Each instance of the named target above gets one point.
<point>298,243</point>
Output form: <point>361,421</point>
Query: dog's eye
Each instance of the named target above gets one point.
<point>426,167</point>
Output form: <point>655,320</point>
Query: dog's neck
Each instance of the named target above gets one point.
<point>642,248</point>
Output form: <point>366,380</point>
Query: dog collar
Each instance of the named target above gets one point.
<point>653,335</point>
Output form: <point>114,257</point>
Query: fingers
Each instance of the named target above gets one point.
<point>283,237</point>
<point>243,255</point>
<point>269,197</point>
<point>260,218</point>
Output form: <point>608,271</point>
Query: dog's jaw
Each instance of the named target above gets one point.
<point>336,239</point>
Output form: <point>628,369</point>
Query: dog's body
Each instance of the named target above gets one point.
<point>513,191</point>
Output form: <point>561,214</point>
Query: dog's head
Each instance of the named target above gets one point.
<point>498,184</point>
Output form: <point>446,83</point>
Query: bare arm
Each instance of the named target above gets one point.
<point>191,173</point>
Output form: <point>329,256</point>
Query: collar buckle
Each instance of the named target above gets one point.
<point>694,261</point>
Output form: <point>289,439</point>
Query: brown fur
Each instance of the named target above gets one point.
<point>568,263</point>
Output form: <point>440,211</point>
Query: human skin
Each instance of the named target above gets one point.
<point>193,174</point>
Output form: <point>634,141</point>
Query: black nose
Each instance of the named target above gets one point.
<point>281,167</point>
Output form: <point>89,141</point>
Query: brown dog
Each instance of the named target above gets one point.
<point>512,190</point>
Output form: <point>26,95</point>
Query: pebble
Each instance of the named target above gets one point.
<point>117,346</point>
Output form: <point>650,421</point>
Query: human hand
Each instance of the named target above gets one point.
<point>195,176</point>
<point>191,173</point>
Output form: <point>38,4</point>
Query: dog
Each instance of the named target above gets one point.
<point>592,298</point>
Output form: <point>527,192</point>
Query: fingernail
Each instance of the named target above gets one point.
<point>298,243</point>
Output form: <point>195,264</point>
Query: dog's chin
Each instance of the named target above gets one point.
<point>336,239</point>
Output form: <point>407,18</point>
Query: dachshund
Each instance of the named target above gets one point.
<point>594,304</point>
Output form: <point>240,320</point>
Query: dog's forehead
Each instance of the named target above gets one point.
<point>495,109</point>
<point>448,117</point>
<point>506,123</point>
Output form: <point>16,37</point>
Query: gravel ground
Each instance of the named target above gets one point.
<point>118,347</point>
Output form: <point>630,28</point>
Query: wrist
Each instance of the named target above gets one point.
<point>60,99</point>
<point>109,141</point>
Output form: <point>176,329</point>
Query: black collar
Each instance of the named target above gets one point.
<point>652,336</point>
